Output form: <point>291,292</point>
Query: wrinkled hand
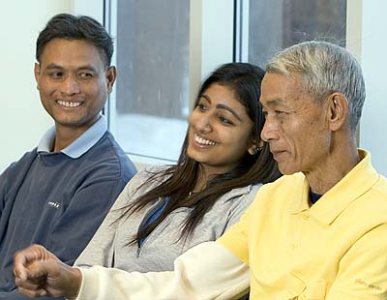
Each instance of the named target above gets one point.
<point>38,272</point>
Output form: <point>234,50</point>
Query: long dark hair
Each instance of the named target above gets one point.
<point>245,80</point>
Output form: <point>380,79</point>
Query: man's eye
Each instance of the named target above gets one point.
<point>56,74</point>
<point>85,75</point>
<point>280,112</point>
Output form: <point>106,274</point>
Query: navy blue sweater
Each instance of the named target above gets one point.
<point>57,201</point>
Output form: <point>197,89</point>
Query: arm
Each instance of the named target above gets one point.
<point>363,270</point>
<point>71,232</point>
<point>241,205</point>
<point>207,271</point>
<point>99,251</point>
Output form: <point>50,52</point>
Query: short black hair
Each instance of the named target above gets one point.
<point>70,27</point>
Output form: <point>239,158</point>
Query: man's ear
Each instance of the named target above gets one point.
<point>37,74</point>
<point>337,111</point>
<point>111,74</point>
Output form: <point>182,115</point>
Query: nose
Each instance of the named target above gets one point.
<point>70,86</point>
<point>270,130</point>
<point>201,122</point>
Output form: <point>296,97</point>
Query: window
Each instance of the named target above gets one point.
<point>164,49</point>
<point>161,58</point>
<point>276,24</point>
<point>151,105</point>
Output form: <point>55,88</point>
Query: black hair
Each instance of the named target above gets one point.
<point>245,80</point>
<point>67,26</point>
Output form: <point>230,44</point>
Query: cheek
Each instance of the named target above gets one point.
<point>193,118</point>
<point>237,141</point>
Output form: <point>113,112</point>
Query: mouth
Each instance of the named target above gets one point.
<point>277,153</point>
<point>69,104</point>
<point>203,142</point>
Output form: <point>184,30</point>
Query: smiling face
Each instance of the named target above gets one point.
<point>295,125</point>
<point>73,83</point>
<point>220,131</point>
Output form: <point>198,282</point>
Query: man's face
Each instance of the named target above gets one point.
<point>295,125</point>
<point>73,82</point>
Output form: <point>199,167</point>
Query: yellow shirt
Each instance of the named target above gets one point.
<point>336,249</point>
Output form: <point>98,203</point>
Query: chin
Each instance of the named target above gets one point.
<point>287,170</point>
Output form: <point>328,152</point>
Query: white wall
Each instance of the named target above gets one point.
<point>373,128</point>
<point>23,119</point>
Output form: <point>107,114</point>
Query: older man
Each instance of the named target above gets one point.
<point>319,232</point>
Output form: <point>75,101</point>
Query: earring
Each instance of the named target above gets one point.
<point>255,150</point>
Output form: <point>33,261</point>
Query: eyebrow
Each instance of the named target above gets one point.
<point>225,107</point>
<point>273,102</point>
<point>85,67</point>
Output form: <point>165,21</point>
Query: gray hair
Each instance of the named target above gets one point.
<point>324,68</point>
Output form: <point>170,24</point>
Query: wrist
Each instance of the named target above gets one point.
<point>75,281</point>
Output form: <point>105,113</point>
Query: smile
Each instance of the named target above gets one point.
<point>203,141</point>
<point>68,103</point>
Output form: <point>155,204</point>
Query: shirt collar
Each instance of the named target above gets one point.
<point>81,145</point>
<point>354,184</point>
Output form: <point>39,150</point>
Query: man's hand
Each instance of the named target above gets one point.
<point>38,272</point>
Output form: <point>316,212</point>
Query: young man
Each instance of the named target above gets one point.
<point>58,194</point>
<point>319,232</point>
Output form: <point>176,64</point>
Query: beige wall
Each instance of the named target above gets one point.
<point>23,119</point>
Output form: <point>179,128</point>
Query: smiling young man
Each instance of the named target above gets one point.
<point>58,193</point>
<point>318,232</point>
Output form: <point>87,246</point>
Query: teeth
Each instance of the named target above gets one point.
<point>68,104</point>
<point>204,141</point>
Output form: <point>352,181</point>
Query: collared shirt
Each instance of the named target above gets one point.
<point>81,145</point>
<point>329,250</point>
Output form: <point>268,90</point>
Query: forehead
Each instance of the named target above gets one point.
<point>224,98</point>
<point>63,52</point>
<point>278,89</point>
<point>218,93</point>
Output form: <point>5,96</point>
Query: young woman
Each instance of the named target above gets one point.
<point>164,211</point>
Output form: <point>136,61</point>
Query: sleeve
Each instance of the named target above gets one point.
<point>236,238</point>
<point>100,249</point>
<point>207,271</point>
<point>73,230</point>
<point>362,272</point>
<point>241,205</point>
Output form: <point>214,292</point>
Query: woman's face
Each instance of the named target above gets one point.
<point>220,130</point>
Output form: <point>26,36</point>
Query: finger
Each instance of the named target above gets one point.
<point>24,257</point>
<point>32,293</point>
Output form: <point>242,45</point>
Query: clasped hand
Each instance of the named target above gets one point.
<point>38,272</point>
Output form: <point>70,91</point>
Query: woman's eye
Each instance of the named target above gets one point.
<point>201,107</point>
<point>226,121</point>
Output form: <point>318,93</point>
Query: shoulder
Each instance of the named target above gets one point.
<point>381,187</point>
<point>237,199</point>
<point>107,158</point>
<point>24,162</point>
<point>141,182</point>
